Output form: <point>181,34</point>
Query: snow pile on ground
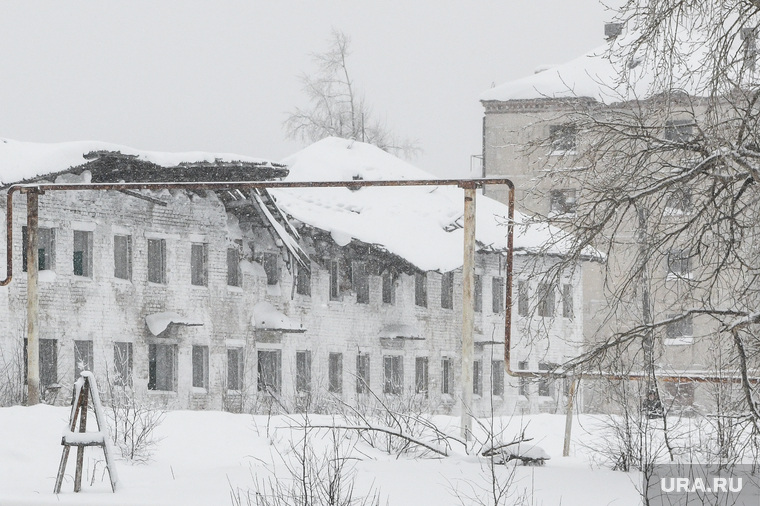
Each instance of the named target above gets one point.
<point>422,224</point>
<point>206,454</point>
<point>24,160</point>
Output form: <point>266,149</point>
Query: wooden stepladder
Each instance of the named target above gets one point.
<point>84,388</point>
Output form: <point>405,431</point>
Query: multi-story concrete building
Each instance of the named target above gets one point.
<point>542,129</point>
<point>239,299</point>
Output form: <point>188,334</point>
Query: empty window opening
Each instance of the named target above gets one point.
<point>200,367</point>
<point>478,293</point>
<point>334,280</point>
<point>162,367</point>
<point>269,370</point>
<point>393,374</point>
<point>303,281</point>
<point>122,362</point>
<point>234,277</point>
<point>563,201</point>
<point>546,300</point>
<point>446,375</point>
<point>82,357</point>
<point>48,360</point>
<point>497,294</point>
<point>679,262</point>
<point>122,256</point>
<point>360,281</point>
<point>389,288</point>
<point>477,377</point>
<point>362,373</point>
<point>567,301</point>
<point>522,298</point>
<point>157,261</point>
<point>303,371</point>
<point>421,376</point>
<point>497,377</point>
<point>447,290</point>
<point>420,289</point>
<point>199,264</point>
<point>45,248</point>
<point>335,373</point>
<point>82,255</point>
<point>523,388</point>
<point>563,138</point>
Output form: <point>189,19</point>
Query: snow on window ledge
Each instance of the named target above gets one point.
<point>679,341</point>
<point>199,391</point>
<point>46,276</point>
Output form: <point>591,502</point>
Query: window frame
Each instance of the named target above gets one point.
<point>547,301</point>
<point>82,239</point>
<point>563,201</point>
<point>497,378</point>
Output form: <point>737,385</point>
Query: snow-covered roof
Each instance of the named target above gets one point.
<point>611,73</point>
<point>421,224</point>
<point>26,160</point>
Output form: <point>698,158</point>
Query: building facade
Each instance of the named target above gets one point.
<point>222,300</point>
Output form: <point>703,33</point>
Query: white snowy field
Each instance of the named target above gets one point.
<point>203,456</point>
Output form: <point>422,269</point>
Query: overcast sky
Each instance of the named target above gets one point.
<point>221,76</point>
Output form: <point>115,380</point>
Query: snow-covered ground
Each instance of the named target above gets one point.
<point>203,456</point>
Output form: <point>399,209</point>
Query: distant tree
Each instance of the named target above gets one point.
<point>337,108</point>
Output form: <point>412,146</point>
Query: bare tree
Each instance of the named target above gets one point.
<point>668,167</point>
<point>337,108</point>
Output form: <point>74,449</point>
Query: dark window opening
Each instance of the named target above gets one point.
<point>269,369</point>
<point>122,361</point>
<point>162,367</point>
<point>447,290</point>
<point>45,248</point>
<point>497,295</point>
<point>303,371</point>
<point>421,375</point>
<point>393,374</point>
<point>233,267</point>
<point>335,373</point>
<point>200,366</point>
<point>420,289</point>
<point>362,373</point>
<point>82,254</point>
<point>157,261</point>
<point>122,256</point>
<point>199,264</point>
<point>360,282</point>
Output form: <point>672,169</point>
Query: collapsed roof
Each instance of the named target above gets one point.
<point>421,224</point>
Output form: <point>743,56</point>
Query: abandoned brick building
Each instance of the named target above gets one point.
<point>230,299</point>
